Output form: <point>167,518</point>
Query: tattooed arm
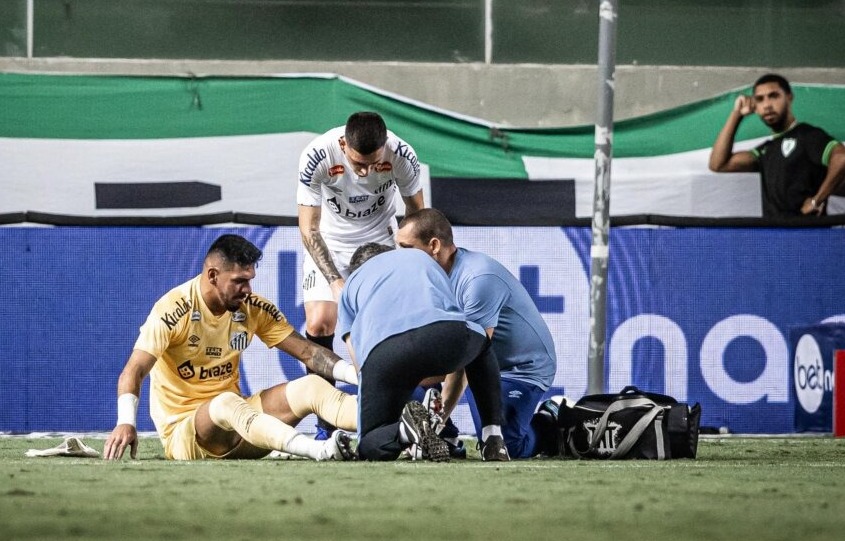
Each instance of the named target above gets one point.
<point>320,360</point>
<point>309,229</point>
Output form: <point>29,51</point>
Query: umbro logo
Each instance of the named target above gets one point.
<point>515,394</point>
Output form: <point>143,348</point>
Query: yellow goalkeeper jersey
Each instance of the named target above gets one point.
<point>199,353</point>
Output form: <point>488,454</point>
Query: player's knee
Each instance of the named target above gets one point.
<point>221,408</point>
<point>320,318</point>
<point>303,393</point>
<point>308,385</point>
<point>519,448</point>
<point>520,440</point>
<point>320,327</point>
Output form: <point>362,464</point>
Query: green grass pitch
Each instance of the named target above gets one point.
<point>737,489</point>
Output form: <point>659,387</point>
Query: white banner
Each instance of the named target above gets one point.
<point>257,174</point>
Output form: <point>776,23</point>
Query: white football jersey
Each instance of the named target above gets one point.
<point>355,210</point>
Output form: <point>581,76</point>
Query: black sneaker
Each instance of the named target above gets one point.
<point>493,450</point>
<point>456,447</point>
<point>448,432</point>
<point>416,424</point>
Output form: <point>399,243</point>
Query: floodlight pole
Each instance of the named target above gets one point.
<point>599,250</point>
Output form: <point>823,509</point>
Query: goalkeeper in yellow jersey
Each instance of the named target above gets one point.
<point>191,346</point>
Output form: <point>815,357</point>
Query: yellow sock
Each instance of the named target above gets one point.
<point>313,394</point>
<point>231,412</point>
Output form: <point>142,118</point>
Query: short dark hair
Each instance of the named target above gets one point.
<point>234,249</point>
<point>365,132</point>
<point>365,252</point>
<point>430,223</point>
<point>774,78</point>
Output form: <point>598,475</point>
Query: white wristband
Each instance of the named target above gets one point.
<point>345,372</point>
<point>127,409</point>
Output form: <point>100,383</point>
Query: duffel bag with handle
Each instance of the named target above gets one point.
<point>628,425</point>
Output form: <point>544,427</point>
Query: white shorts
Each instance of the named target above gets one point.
<point>314,284</point>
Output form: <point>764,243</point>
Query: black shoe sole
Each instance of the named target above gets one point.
<point>433,448</point>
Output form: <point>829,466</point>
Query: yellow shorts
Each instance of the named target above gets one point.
<point>182,443</point>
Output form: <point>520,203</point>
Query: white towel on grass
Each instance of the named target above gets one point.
<point>70,447</point>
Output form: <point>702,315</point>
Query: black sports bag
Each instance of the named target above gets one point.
<point>631,424</point>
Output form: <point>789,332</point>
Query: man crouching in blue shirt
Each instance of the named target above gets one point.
<point>492,297</point>
<point>402,324</point>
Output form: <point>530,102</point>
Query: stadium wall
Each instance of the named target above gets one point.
<point>560,95</point>
<point>701,313</point>
<point>451,54</point>
<point>107,146</point>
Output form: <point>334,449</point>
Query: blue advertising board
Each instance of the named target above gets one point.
<point>812,349</point>
<point>701,314</point>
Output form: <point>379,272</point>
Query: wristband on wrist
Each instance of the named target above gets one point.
<point>127,409</point>
<point>345,372</point>
<point>351,375</point>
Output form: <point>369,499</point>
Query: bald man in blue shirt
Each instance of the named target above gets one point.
<point>492,297</point>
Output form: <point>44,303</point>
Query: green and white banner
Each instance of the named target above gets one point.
<point>68,144</point>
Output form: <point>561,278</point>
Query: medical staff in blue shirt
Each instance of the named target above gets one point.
<point>402,324</point>
<point>491,296</point>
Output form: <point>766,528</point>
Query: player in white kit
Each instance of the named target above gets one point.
<point>346,197</point>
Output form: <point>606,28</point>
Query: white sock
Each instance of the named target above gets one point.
<point>302,445</point>
<point>490,430</point>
